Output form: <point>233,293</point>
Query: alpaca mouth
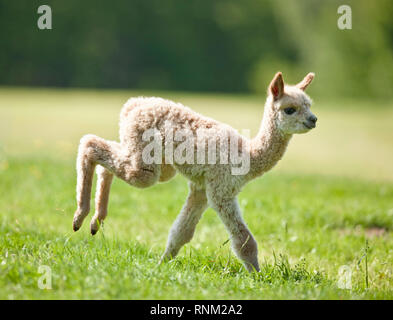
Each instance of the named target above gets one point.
<point>309,125</point>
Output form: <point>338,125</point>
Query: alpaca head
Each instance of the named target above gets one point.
<point>291,105</point>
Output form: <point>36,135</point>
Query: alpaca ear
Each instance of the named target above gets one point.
<point>276,87</point>
<point>306,81</point>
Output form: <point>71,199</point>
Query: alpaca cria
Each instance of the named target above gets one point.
<point>286,112</point>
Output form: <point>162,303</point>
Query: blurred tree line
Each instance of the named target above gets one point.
<point>199,45</point>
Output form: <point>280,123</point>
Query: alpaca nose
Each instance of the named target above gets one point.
<point>312,119</point>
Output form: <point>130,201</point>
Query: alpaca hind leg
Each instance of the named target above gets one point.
<point>117,159</point>
<point>85,170</point>
<point>184,226</point>
<point>104,181</point>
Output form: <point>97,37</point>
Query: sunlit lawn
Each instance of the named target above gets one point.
<point>311,215</point>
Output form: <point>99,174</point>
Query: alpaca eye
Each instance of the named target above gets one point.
<point>289,110</point>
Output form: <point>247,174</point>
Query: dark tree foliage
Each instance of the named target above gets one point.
<point>197,45</point>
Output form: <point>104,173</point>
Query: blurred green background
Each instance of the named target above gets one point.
<point>199,45</point>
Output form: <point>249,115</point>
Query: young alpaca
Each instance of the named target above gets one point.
<point>287,111</point>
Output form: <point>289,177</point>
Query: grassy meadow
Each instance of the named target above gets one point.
<point>327,204</point>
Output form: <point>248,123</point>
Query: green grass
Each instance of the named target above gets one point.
<point>311,215</point>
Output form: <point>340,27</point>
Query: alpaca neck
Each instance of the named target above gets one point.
<point>268,147</point>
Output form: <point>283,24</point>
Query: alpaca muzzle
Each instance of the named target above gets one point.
<point>311,122</point>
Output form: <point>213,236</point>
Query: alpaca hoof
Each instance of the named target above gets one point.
<point>79,216</point>
<point>75,227</point>
<point>94,226</point>
<point>76,224</point>
<point>165,258</point>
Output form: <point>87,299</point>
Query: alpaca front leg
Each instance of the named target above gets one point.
<point>243,242</point>
<point>104,181</point>
<point>184,226</point>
